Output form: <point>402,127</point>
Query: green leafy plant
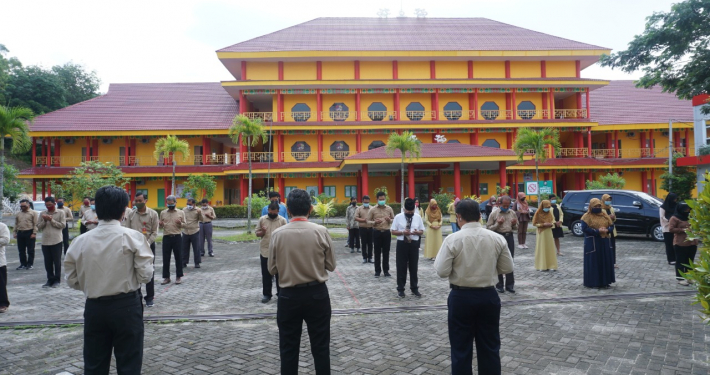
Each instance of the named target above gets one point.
<point>248,132</point>
<point>704,150</point>
<point>537,141</point>
<point>682,181</point>
<point>443,199</point>
<point>699,273</point>
<point>408,145</point>
<point>200,186</point>
<point>254,204</point>
<point>608,181</point>
<point>86,179</point>
<point>13,122</point>
<point>12,186</point>
<point>502,190</point>
<point>324,208</point>
<point>381,189</point>
<point>168,147</point>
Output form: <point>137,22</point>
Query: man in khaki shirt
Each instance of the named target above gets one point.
<point>365,229</point>
<point>85,206</point>
<point>51,222</point>
<point>69,219</point>
<point>267,225</point>
<point>381,218</point>
<point>145,220</point>
<point>301,253</point>
<point>471,259</point>
<point>109,265</point>
<point>90,219</point>
<point>25,232</point>
<point>504,221</point>
<point>191,233</point>
<point>208,215</point>
<point>171,220</point>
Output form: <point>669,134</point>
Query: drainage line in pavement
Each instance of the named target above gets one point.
<point>342,312</point>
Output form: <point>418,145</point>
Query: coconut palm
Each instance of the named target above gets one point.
<point>169,146</point>
<point>14,122</point>
<point>537,142</point>
<point>249,131</point>
<point>407,144</point>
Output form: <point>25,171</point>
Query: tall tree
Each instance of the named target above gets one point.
<point>80,85</point>
<point>169,147</point>
<point>247,132</point>
<point>14,123</point>
<point>408,146</point>
<point>200,186</point>
<point>6,65</point>
<point>37,89</point>
<point>537,141</point>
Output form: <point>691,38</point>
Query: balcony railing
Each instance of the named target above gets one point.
<point>570,113</point>
<point>264,116</point>
<point>378,115</point>
<point>572,152</point>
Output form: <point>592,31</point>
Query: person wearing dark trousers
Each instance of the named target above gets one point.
<point>172,220</point>
<point>191,234</point>
<point>69,219</point>
<point>4,240</point>
<point>471,259</point>
<point>301,253</point>
<point>51,223</point>
<point>685,248</point>
<point>145,220</point>
<point>365,229</point>
<point>109,265</point>
<point>665,212</point>
<point>353,227</point>
<point>407,227</point>
<point>208,215</point>
<point>381,218</point>
<point>267,225</point>
<point>85,206</point>
<point>505,222</point>
<point>25,232</point>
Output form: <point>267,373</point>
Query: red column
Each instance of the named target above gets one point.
<point>473,183</point>
<point>134,187</point>
<point>457,180</point>
<point>357,107</point>
<point>281,70</point>
<point>44,189</point>
<point>320,147</point>
<point>676,139</point>
<point>475,104</point>
<point>687,141</point>
<point>507,69</point>
<point>34,154</point>
<point>579,101</point>
<point>243,107</point>
<point>319,105</point>
<point>551,94</point>
<point>653,182</point>
<point>432,69</point>
<point>543,69</point>
<point>616,144</point>
<point>644,182</point>
<point>514,190</point>
<point>501,172</point>
<point>320,183</point>
<point>282,147</point>
<point>478,182</point>
<point>358,142</point>
<point>365,180</point>
<point>357,69</point>
<point>507,105</point>
<point>57,151</point>
<point>127,152</point>
<point>319,70</point>
<point>642,141</point>
<point>589,142</point>
<point>49,189</point>
<point>554,181</point>
<point>282,188</point>
<point>34,189</point>
<point>544,104</point>
<point>471,107</point>
<point>650,142</point>
<point>243,188</point>
<point>508,140</point>
<point>577,69</point>
<point>410,177</point>
<point>244,70</point>
<point>474,137</point>
<point>397,107</point>
<point>546,176</point>
<point>48,151</point>
<point>395,70</point>
<point>514,105</point>
<point>587,97</point>
<point>435,106</point>
<point>167,183</point>
<point>609,141</point>
<point>95,148</point>
<point>470,69</point>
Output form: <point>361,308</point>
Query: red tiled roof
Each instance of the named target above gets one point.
<point>146,106</point>
<point>594,162</point>
<point>438,150</point>
<point>621,102</point>
<point>406,34</point>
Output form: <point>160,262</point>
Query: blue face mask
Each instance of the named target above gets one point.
<point>366,205</point>
<point>554,201</point>
<point>381,203</point>
<point>502,209</point>
<point>93,207</point>
<point>546,209</point>
<point>608,203</point>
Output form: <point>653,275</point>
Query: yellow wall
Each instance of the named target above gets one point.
<point>414,70</point>
<point>338,70</point>
<point>71,154</point>
<point>461,99</point>
<point>569,102</point>
<point>310,100</point>
<point>347,99</point>
<point>366,139</point>
<point>561,69</point>
<point>497,98</point>
<point>375,70</point>
<point>329,139</point>
<point>312,141</point>
<point>376,182</point>
<point>451,69</point>
<point>525,69</point>
<point>386,99</point>
<point>340,183</point>
<point>262,71</point>
<point>423,99</point>
<point>299,71</point>
<point>489,69</point>
<point>535,98</point>
<point>500,137</point>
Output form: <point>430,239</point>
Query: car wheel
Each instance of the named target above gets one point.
<point>657,232</point>
<point>577,228</point>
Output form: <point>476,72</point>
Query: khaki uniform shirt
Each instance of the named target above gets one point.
<point>109,261</point>
<point>350,217</point>
<point>192,220</point>
<point>270,225</point>
<point>384,212</point>
<point>301,252</point>
<point>146,223</point>
<point>126,212</point>
<point>506,226</point>
<point>473,257</point>
<point>170,227</point>
<point>52,230</point>
<point>26,221</point>
<point>208,211</point>
<point>90,215</point>
<point>68,215</point>
<point>83,209</point>
<point>362,213</point>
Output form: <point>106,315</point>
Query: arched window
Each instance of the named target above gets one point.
<point>490,110</point>
<point>375,144</point>
<point>415,111</point>
<point>301,150</point>
<point>452,111</point>
<point>301,112</point>
<point>339,112</point>
<point>339,150</point>
<point>376,111</point>
<point>491,143</point>
<point>526,110</point>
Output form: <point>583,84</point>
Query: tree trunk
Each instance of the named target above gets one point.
<point>249,191</point>
<point>2,170</point>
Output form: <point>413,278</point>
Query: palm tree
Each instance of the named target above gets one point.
<point>249,131</point>
<point>169,146</point>
<point>13,122</point>
<point>536,141</point>
<point>405,143</point>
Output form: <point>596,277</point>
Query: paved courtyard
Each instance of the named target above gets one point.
<point>214,322</point>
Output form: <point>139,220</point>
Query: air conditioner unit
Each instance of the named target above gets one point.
<point>665,134</point>
<point>145,140</point>
<point>631,134</point>
<point>69,141</point>
<point>107,141</point>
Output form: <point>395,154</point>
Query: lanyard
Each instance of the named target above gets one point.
<point>298,219</point>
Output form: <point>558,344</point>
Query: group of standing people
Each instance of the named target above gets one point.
<point>675,221</point>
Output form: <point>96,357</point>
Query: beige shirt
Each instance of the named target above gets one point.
<point>126,212</point>
<point>4,240</point>
<point>52,230</point>
<point>90,215</point>
<point>146,223</point>
<point>192,220</point>
<point>169,219</point>
<point>26,221</point>
<point>68,215</point>
<point>381,212</point>
<point>270,225</point>
<point>301,252</point>
<point>361,213</point>
<point>509,225</point>
<point>473,257</point>
<point>83,209</point>
<point>209,211</point>
<point>108,261</point>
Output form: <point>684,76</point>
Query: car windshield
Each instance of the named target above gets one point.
<point>650,199</point>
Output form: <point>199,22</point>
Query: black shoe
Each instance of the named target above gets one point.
<point>387,274</point>
<point>400,294</point>
<point>265,299</point>
<point>377,274</point>
<point>29,267</point>
<point>211,255</point>
<point>416,293</point>
<point>149,303</point>
<point>500,289</point>
<point>48,284</point>
<point>370,261</point>
<point>364,261</point>
<point>352,251</point>
<point>55,285</point>
<point>510,289</point>
<point>20,268</point>
<point>197,266</point>
<point>184,266</point>
<point>202,254</point>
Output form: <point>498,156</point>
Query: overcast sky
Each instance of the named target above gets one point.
<point>175,41</point>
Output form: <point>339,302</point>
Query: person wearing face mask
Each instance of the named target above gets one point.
<point>557,231</point>
<point>276,197</point>
<point>25,232</point>
<point>171,220</point>
<point>85,206</point>
<point>51,223</point>
<point>505,222</point>
<point>70,219</point>
<point>365,229</point>
<point>352,225</point>
<point>90,220</point>
<point>267,225</point>
<point>145,220</point>
<point>452,215</point>
<point>606,207</point>
<point>208,215</point>
<point>598,262</point>
<point>407,227</point>
<point>523,211</point>
<point>685,249</point>
<point>434,237</point>
<point>191,233</point>
<point>381,219</point>
<point>545,258</point>
<point>490,204</point>
<point>665,212</point>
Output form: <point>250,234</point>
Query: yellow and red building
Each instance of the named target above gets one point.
<point>331,90</point>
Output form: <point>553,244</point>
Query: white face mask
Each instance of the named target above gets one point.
<point>205,207</point>
<point>190,207</point>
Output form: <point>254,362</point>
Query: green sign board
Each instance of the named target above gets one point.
<point>542,187</point>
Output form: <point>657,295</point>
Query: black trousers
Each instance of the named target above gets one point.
<point>366,241</point>
<point>683,255</point>
<point>354,238</point>
<point>150,287</point>
<point>82,228</point>
<point>65,239</point>
<point>53,262</point>
<point>194,240</point>
<point>612,238</point>
<point>113,326</point>
<point>172,244</point>
<point>26,247</point>
<point>266,278</point>
<point>382,242</point>
<point>4,300</point>
<point>474,315</point>
<point>296,305</point>
<point>509,277</point>
<point>668,241</point>
<point>407,258</point>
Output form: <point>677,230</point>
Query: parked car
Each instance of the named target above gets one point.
<point>39,206</point>
<point>636,212</point>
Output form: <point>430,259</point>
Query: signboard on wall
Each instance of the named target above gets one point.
<point>541,187</point>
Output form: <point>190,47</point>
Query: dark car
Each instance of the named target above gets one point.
<point>636,212</point>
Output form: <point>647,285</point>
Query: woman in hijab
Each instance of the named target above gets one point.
<point>545,258</point>
<point>684,248</point>
<point>557,232</point>
<point>523,212</point>
<point>452,217</point>
<point>598,262</point>
<point>433,237</point>
<point>606,207</point>
<point>666,212</point>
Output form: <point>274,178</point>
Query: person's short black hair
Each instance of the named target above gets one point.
<point>366,197</point>
<point>353,199</point>
<point>140,194</point>
<point>409,204</point>
<point>111,202</point>
<point>381,194</point>
<point>89,198</point>
<point>191,200</point>
<point>92,199</point>
<point>24,201</point>
<point>49,199</point>
<point>469,210</point>
<point>274,194</point>
<point>299,202</point>
<point>58,198</point>
<point>274,206</point>
<point>205,201</point>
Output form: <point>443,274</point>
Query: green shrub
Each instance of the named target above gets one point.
<point>699,273</point>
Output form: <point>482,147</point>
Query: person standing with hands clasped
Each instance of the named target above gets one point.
<point>69,217</point>
<point>90,220</point>
<point>4,240</point>
<point>433,220</point>
<point>145,220</point>
<point>301,253</point>
<point>267,225</point>
<point>191,234</point>
<point>365,229</point>
<point>598,262</point>
<point>171,220</point>
<point>407,227</point>
<point>545,251</point>
<point>208,215</point>
<point>353,227</point>
<point>51,223</point>
<point>685,249</point>
<point>381,218</point>
<point>471,259</point>
<point>25,232</point>
<point>505,222</point>
<point>109,265</point>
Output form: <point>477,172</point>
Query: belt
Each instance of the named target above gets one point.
<point>383,230</point>
<point>172,235</point>
<point>117,296</point>
<point>312,283</point>
<point>505,234</point>
<point>456,287</point>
